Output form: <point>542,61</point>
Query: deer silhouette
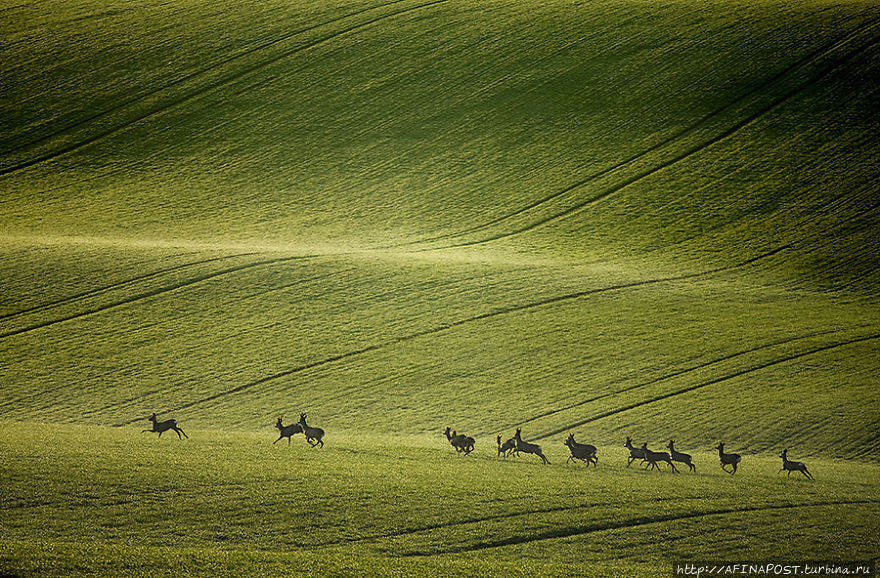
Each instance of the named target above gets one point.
<point>791,466</point>
<point>728,459</point>
<point>506,448</point>
<point>680,457</point>
<point>583,452</point>
<point>161,427</point>
<point>653,457</point>
<point>286,431</point>
<point>460,442</point>
<point>634,452</point>
<point>314,435</point>
<point>528,448</point>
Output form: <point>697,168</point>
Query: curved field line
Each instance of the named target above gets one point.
<point>192,76</point>
<point>675,374</point>
<point>105,289</point>
<point>736,374</point>
<point>492,518</point>
<point>454,324</point>
<point>482,317</point>
<point>680,156</point>
<point>151,293</point>
<point>660,144</point>
<point>215,85</point>
<point>587,529</point>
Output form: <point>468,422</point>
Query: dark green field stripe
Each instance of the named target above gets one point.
<point>573,531</point>
<point>459,323</point>
<point>675,374</point>
<point>494,518</point>
<point>192,76</point>
<point>734,375</point>
<point>105,289</point>
<point>151,293</point>
<point>799,64</point>
<point>212,86</point>
<point>728,132</point>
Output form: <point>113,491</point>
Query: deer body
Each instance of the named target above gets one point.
<point>790,466</point>
<point>653,457</point>
<point>460,442</point>
<point>680,457</point>
<point>313,435</point>
<point>583,452</point>
<point>161,427</point>
<point>528,448</point>
<point>506,448</point>
<point>286,431</point>
<point>634,452</point>
<point>728,459</point>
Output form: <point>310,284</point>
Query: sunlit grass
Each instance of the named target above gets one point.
<point>612,218</point>
<point>78,498</point>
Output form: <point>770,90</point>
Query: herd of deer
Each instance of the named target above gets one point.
<point>587,453</point>
<point>314,435</point>
<point>516,445</point>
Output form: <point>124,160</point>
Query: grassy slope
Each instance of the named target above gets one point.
<point>613,219</point>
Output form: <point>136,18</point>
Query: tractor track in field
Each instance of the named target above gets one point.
<point>740,373</point>
<point>200,91</point>
<point>118,285</point>
<point>674,374</point>
<point>603,526</point>
<point>491,518</point>
<point>151,293</point>
<point>461,322</point>
<point>826,50</point>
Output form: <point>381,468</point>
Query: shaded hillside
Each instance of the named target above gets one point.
<point>601,217</point>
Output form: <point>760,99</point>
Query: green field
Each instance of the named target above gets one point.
<point>611,218</point>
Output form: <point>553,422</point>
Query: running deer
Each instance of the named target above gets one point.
<point>790,466</point>
<point>680,457</point>
<point>653,457</point>
<point>634,452</point>
<point>286,431</point>
<point>528,448</point>
<point>460,442</point>
<point>728,459</point>
<point>313,434</point>
<point>160,427</point>
<point>506,448</point>
<point>583,452</point>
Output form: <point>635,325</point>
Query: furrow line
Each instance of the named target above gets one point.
<point>191,76</point>
<point>731,130</point>
<point>389,343</point>
<point>655,147</point>
<point>492,518</point>
<point>73,147</point>
<point>717,380</point>
<point>459,323</point>
<point>574,531</point>
<point>105,289</point>
<point>678,373</point>
<point>150,293</point>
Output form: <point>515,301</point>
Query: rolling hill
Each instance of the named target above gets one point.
<point>610,218</point>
